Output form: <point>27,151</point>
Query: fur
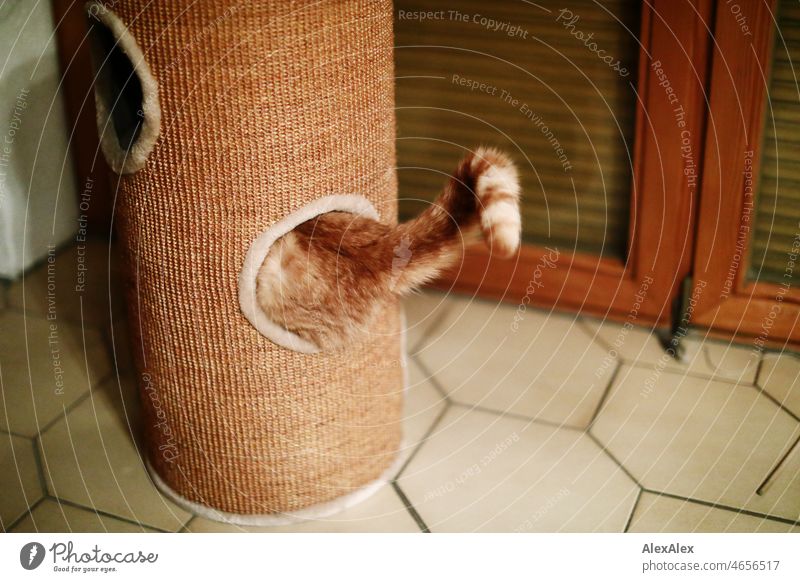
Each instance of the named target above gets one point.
<point>326,279</point>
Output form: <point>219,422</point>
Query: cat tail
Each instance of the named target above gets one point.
<point>482,197</point>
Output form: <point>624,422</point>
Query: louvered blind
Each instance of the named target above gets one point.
<point>552,83</point>
<point>777,202</point>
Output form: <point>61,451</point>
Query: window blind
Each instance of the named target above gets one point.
<point>777,201</point>
<point>551,83</point>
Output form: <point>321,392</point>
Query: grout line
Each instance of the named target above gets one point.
<point>613,458</point>
<point>686,373</point>
<point>710,363</point>
<point>410,508</point>
<point>45,467</point>
<point>517,416</point>
<point>105,513</point>
<point>37,458</point>
<point>19,435</point>
<point>72,406</point>
<point>185,527</point>
<point>25,513</point>
<point>759,368</point>
<point>643,364</point>
<point>431,378</point>
<point>633,511</point>
<point>724,507</point>
<point>606,393</point>
<point>753,385</point>
<point>696,332</point>
<point>777,403</point>
<point>412,349</point>
<point>759,364</point>
<point>424,438</point>
<point>769,479</point>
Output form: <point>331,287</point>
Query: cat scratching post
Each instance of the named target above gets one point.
<point>223,119</point>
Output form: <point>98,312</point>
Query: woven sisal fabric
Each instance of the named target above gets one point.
<point>266,106</point>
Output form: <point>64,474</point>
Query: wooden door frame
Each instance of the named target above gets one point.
<point>764,314</point>
<point>663,203</point>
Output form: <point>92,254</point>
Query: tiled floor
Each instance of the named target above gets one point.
<point>559,423</point>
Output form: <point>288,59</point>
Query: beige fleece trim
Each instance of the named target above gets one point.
<point>313,512</point>
<point>260,248</point>
<point>126,161</point>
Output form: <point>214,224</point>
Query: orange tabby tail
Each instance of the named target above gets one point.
<point>482,196</point>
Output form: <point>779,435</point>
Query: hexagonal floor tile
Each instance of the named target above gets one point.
<point>423,405</point>
<point>780,378</point>
<point>782,486</point>
<point>659,513</point>
<point>535,364</point>
<point>698,438</point>
<point>78,273</point>
<point>483,472</point>
<point>423,310</point>
<point>383,512</point>
<point>704,357</point>
<point>19,478</point>
<point>90,459</point>
<point>44,369</point>
<point>52,516</point>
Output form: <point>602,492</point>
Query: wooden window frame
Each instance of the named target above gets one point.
<point>739,81</point>
<point>663,205</point>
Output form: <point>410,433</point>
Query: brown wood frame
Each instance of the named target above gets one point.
<point>663,204</point>
<point>740,74</point>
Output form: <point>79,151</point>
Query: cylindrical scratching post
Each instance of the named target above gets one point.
<point>247,113</point>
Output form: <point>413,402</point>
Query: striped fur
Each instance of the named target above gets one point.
<point>327,278</point>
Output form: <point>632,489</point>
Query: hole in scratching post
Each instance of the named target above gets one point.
<point>126,93</point>
<point>260,248</point>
